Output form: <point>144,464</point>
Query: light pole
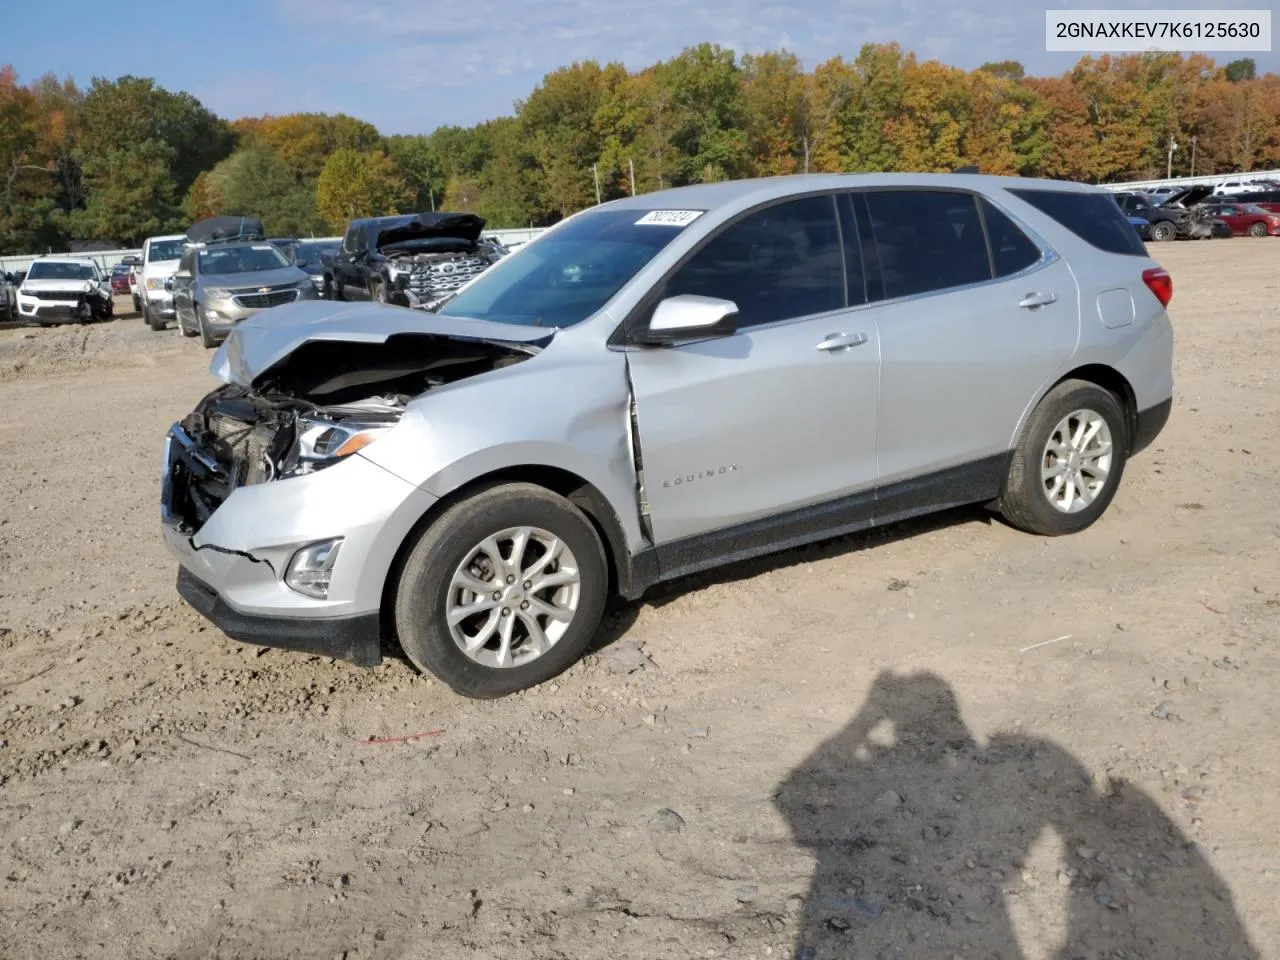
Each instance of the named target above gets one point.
<point>632,167</point>
<point>595,174</point>
<point>1173,145</point>
<point>1193,156</point>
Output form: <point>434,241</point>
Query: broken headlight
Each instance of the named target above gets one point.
<point>320,443</point>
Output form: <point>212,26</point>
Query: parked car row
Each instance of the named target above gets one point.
<point>1195,214</point>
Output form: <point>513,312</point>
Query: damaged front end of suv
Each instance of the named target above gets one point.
<point>297,400</point>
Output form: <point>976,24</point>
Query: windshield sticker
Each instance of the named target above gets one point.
<point>670,218</point>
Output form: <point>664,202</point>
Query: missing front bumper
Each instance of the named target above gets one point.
<point>355,639</point>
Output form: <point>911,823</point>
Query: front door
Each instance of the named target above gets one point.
<point>768,424</point>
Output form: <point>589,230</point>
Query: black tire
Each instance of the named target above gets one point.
<point>423,588</point>
<point>332,289</point>
<point>206,338</point>
<point>137,304</point>
<point>1258,229</point>
<point>153,321</point>
<point>1025,502</point>
<point>1163,231</point>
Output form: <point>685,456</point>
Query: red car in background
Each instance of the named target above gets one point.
<point>120,279</point>
<point>1246,219</point>
<point>1266,199</point>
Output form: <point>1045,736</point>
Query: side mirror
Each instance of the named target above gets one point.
<point>690,317</point>
<point>168,284</point>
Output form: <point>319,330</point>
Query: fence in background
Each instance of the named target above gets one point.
<point>106,259</point>
<point>1213,181</point>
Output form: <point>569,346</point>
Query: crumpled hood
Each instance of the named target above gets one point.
<point>463,226</point>
<point>256,345</point>
<point>1188,197</point>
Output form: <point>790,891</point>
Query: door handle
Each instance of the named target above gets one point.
<point>842,341</point>
<point>1032,300</point>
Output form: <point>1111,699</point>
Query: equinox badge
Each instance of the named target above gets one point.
<point>701,475</point>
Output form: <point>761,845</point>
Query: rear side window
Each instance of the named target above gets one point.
<point>1011,249</point>
<point>1093,217</point>
<point>779,263</point>
<point>927,240</point>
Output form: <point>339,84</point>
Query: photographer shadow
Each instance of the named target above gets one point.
<point>930,845</point>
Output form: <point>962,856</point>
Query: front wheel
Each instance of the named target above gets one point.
<point>153,321</point>
<point>1258,229</point>
<point>1163,231</point>
<point>502,592</point>
<point>1068,461</point>
<point>206,338</point>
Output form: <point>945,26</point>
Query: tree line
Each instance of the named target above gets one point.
<point>124,159</point>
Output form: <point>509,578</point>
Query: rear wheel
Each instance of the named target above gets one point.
<point>503,591</point>
<point>1068,461</point>
<point>1258,229</point>
<point>1163,231</point>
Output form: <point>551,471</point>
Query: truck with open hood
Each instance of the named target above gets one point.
<point>413,260</point>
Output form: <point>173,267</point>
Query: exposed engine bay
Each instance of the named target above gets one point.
<point>429,272</point>
<point>324,401</point>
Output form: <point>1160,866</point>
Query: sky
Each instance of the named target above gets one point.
<point>409,66</point>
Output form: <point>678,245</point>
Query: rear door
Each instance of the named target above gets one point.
<point>779,416</point>
<point>970,333</point>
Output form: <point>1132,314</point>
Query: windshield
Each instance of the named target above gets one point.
<point>50,270</point>
<point>241,259</point>
<point>310,252</point>
<point>568,275</point>
<point>164,250</point>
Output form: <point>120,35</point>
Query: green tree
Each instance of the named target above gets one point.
<point>255,181</point>
<point>356,184</point>
<point>418,164</point>
<point>559,121</point>
<point>130,194</point>
<point>1242,69</point>
<point>116,114</point>
<point>776,107</point>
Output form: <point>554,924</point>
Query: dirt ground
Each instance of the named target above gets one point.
<point>947,739</point>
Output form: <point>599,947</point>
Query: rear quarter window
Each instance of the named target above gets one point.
<point>1095,218</point>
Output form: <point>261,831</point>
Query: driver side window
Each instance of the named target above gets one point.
<point>779,263</point>
<point>349,243</point>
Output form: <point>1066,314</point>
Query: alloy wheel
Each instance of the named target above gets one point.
<point>1076,462</point>
<point>513,597</point>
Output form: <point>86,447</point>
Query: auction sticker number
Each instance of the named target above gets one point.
<point>670,218</point>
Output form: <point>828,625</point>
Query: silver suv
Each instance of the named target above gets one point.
<point>657,386</point>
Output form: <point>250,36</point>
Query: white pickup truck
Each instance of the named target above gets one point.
<point>160,256</point>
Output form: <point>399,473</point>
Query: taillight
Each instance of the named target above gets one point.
<point>1160,283</point>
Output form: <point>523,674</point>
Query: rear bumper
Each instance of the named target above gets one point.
<point>1150,423</point>
<point>351,638</point>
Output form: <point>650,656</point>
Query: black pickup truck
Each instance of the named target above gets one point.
<point>414,260</point>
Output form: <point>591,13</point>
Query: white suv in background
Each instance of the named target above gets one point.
<point>160,257</point>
